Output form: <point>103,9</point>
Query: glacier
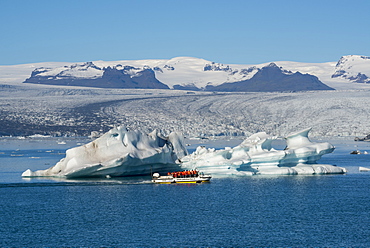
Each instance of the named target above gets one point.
<point>120,152</point>
<point>77,111</point>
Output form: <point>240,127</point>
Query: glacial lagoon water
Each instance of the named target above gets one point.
<point>325,210</point>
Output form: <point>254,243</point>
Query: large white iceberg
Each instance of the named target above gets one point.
<point>120,152</point>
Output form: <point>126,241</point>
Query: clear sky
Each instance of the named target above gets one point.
<point>224,31</point>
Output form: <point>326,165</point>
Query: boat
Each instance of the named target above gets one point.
<point>181,177</point>
<point>364,169</point>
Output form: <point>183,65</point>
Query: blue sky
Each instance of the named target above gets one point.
<point>228,31</point>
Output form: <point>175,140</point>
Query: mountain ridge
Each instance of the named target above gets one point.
<point>350,72</point>
<point>111,77</point>
<point>273,77</point>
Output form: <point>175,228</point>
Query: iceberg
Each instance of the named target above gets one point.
<point>120,152</point>
<point>255,156</point>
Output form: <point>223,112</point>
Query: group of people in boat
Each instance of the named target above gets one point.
<point>187,173</point>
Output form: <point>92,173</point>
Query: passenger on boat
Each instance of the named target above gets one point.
<point>182,174</point>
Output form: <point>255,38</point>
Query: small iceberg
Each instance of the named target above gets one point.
<point>363,169</point>
<point>355,152</point>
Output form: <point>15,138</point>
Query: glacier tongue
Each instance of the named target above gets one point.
<point>120,152</point>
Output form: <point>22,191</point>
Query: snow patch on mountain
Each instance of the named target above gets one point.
<point>84,70</point>
<point>15,74</point>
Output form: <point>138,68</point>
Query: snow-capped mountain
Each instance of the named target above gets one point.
<point>267,78</point>
<point>350,72</point>
<point>354,68</point>
<point>274,78</point>
<point>89,75</point>
<point>177,73</point>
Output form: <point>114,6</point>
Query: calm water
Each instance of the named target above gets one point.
<point>330,210</point>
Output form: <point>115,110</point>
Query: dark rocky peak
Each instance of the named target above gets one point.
<point>217,67</point>
<point>39,70</point>
<point>272,65</point>
<point>123,68</point>
<point>169,67</point>
<point>248,70</point>
<point>273,69</point>
<point>84,66</point>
